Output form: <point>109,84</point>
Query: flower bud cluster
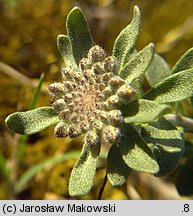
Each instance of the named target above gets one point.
<point>88,99</point>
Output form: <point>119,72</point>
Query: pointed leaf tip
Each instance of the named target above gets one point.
<point>185,62</point>
<point>176,87</point>
<point>125,41</point>
<point>137,66</point>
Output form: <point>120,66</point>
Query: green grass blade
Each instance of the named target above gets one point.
<point>31,172</point>
<point>4,170</point>
<point>36,94</point>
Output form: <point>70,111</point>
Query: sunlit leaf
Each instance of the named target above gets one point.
<point>33,121</point>
<point>125,41</point>
<point>138,64</point>
<point>176,87</point>
<point>82,175</point>
<point>136,84</point>
<point>135,153</point>
<point>79,33</point>
<point>117,170</point>
<point>166,143</point>
<point>157,70</point>
<point>185,62</point>
<point>65,49</point>
<point>143,111</point>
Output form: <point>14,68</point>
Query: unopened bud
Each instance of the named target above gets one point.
<point>74,131</point>
<point>115,117</point>
<point>91,138</point>
<point>125,93</point>
<point>61,130</point>
<point>56,89</point>
<point>98,68</point>
<point>96,54</point>
<point>116,81</point>
<point>59,105</point>
<point>111,135</point>
<point>110,64</point>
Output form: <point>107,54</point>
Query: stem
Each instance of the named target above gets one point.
<point>6,69</point>
<point>182,121</point>
<point>102,188</point>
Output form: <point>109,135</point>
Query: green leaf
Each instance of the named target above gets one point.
<point>166,143</point>
<point>33,121</point>
<point>185,62</point>
<point>157,70</point>
<point>184,180</point>
<point>125,41</point>
<point>79,34</point>
<point>176,87</point>
<point>36,93</point>
<point>50,162</point>
<point>117,170</point>
<point>138,64</point>
<point>4,169</point>
<point>82,175</point>
<point>65,49</point>
<point>136,84</point>
<point>144,111</point>
<point>135,153</point>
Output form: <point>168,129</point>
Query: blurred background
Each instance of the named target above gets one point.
<point>28,31</point>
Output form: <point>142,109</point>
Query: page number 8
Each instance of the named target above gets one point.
<point>186,208</point>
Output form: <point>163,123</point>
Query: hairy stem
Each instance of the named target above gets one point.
<point>6,69</point>
<point>178,120</point>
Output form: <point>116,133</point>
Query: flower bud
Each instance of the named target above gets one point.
<point>67,73</point>
<point>68,98</point>
<point>84,64</point>
<point>110,64</point>
<point>111,135</point>
<point>69,86</point>
<point>74,131</point>
<point>64,114</point>
<point>108,91</point>
<point>98,68</point>
<point>96,54</point>
<point>56,89</point>
<point>106,77</point>
<point>59,105</point>
<point>91,138</point>
<point>97,125</point>
<point>116,81</point>
<point>61,130</point>
<point>125,93</point>
<point>115,117</point>
<point>112,101</point>
<point>88,74</point>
